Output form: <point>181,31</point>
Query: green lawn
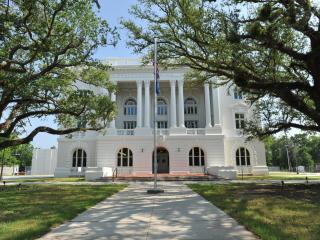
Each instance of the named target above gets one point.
<point>31,211</point>
<point>68,179</point>
<point>282,176</point>
<point>266,210</point>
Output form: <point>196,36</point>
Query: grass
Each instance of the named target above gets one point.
<point>68,179</point>
<point>282,176</point>
<point>268,211</point>
<point>30,212</point>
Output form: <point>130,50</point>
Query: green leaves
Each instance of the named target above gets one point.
<point>270,49</point>
<point>46,57</point>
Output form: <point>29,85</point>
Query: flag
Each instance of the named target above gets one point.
<point>157,77</point>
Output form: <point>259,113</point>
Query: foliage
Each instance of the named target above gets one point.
<point>269,49</point>
<point>47,68</point>
<point>303,151</point>
<point>266,210</point>
<point>31,212</point>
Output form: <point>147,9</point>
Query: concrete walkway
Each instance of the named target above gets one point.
<point>178,213</point>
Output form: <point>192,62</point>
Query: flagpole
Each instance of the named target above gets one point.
<point>155,189</point>
<point>155,162</point>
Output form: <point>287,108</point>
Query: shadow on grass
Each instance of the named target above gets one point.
<point>266,210</point>
<point>31,211</point>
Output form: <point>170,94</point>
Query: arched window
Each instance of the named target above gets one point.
<point>162,107</point>
<point>196,157</point>
<point>125,157</point>
<point>190,106</point>
<point>130,107</point>
<point>79,158</point>
<point>242,157</point>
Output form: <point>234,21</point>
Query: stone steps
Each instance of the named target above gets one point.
<point>162,178</point>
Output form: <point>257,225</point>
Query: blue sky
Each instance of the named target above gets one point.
<point>112,11</point>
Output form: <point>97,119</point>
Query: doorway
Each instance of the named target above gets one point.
<point>162,160</point>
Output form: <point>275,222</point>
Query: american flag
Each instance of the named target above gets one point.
<point>156,66</point>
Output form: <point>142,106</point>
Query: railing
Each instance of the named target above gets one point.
<point>114,174</point>
<point>196,131</point>
<point>162,132</point>
<point>125,132</point>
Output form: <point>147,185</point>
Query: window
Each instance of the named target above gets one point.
<point>237,94</point>
<point>242,157</point>
<point>162,124</point>
<point>162,107</point>
<point>125,158</point>
<point>79,158</point>
<point>196,157</point>
<point>190,106</point>
<point>130,107</point>
<point>129,124</point>
<point>191,124</point>
<point>239,118</point>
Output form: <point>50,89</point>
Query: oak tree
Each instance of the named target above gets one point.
<point>47,68</point>
<point>269,48</point>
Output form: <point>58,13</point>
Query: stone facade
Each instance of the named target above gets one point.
<point>199,129</point>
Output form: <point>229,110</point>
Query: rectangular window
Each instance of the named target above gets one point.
<point>239,118</point>
<point>130,110</point>
<point>162,124</point>
<point>162,110</point>
<point>129,124</point>
<point>191,124</point>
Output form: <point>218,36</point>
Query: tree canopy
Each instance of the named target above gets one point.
<point>47,68</point>
<point>269,49</point>
<point>303,150</point>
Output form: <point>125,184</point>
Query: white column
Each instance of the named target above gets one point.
<point>113,99</point>
<point>216,106</point>
<point>207,105</point>
<point>181,104</point>
<point>139,104</point>
<point>173,103</point>
<point>147,103</point>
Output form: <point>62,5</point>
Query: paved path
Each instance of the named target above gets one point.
<point>178,213</point>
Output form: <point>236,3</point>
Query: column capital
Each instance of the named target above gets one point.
<point>180,82</point>
<point>173,83</point>
<point>147,82</point>
<point>139,83</point>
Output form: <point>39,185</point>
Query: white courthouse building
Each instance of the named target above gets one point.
<point>199,129</point>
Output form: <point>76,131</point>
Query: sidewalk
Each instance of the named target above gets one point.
<point>179,213</point>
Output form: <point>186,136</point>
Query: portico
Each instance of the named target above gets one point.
<point>142,90</point>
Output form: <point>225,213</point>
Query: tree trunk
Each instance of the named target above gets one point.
<point>2,166</point>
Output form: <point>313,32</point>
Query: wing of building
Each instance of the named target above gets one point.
<point>199,129</point>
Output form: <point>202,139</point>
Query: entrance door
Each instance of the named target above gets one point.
<point>162,160</point>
